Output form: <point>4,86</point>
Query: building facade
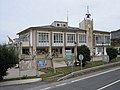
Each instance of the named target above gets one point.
<point>59,37</point>
<point>115,40</point>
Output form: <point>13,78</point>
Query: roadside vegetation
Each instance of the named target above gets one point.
<point>84,50</point>
<point>66,70</point>
<point>8,59</point>
<point>62,71</point>
<point>112,53</point>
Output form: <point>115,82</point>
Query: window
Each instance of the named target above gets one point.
<point>64,25</point>
<point>82,38</point>
<point>25,38</point>
<point>100,49</point>
<point>25,51</point>
<point>99,39</point>
<point>43,37</point>
<point>42,51</point>
<point>70,38</point>
<point>58,38</point>
<point>107,39</point>
<point>60,50</point>
<point>58,25</point>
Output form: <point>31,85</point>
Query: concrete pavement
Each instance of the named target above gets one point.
<point>58,62</point>
<point>14,82</point>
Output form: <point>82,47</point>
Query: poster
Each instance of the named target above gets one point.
<point>41,62</point>
<point>27,65</point>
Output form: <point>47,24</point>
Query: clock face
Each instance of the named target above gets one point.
<point>89,25</point>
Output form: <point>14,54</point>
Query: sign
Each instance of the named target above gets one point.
<point>68,52</point>
<point>68,55</point>
<point>105,58</point>
<point>27,65</point>
<point>81,57</point>
<point>41,62</point>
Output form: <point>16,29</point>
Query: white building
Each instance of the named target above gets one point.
<point>59,37</point>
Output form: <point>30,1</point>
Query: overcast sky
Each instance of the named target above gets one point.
<point>17,15</point>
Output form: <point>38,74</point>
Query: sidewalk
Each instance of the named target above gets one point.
<point>16,82</point>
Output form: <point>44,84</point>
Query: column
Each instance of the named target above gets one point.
<point>63,51</point>
<point>50,51</point>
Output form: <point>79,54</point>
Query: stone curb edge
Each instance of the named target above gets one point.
<point>16,82</point>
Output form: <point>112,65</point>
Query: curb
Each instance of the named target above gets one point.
<point>17,82</point>
<point>89,69</point>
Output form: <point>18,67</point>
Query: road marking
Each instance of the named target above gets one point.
<point>61,84</point>
<point>81,79</point>
<point>95,75</point>
<point>109,85</point>
<point>46,88</point>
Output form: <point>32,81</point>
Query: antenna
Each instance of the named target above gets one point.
<point>67,17</point>
<point>87,9</point>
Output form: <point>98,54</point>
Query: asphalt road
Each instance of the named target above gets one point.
<point>102,80</point>
<point>107,80</point>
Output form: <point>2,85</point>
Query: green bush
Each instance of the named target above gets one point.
<point>84,50</point>
<point>8,58</point>
<point>111,52</point>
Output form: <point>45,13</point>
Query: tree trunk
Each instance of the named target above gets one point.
<point>1,78</point>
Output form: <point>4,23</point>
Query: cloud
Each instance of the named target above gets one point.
<point>16,15</point>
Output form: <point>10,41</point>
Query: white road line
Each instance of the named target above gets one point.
<point>81,79</point>
<point>95,75</point>
<point>61,84</point>
<point>109,85</point>
<point>46,88</point>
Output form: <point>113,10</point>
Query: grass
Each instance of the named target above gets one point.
<point>67,70</point>
<point>64,70</point>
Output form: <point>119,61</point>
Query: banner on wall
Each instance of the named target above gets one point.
<point>41,63</point>
<point>27,65</point>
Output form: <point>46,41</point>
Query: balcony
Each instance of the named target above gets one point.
<point>25,43</point>
<point>26,57</point>
<point>44,44</point>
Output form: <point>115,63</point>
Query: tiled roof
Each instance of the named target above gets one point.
<point>100,31</point>
<point>50,27</point>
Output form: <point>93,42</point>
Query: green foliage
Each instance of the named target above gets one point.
<point>111,52</point>
<point>8,58</point>
<point>84,50</point>
<point>25,77</point>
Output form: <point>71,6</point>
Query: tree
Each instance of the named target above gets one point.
<point>111,52</point>
<point>8,58</point>
<point>84,50</point>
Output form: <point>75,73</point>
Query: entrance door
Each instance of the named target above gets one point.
<point>57,52</point>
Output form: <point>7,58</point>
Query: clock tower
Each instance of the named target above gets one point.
<point>87,24</point>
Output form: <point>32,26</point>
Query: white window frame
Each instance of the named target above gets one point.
<point>72,43</point>
<point>60,41</point>
<point>99,42</point>
<point>106,41</point>
<point>45,42</point>
<point>84,41</point>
